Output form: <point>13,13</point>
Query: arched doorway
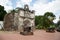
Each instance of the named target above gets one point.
<point>27,27</point>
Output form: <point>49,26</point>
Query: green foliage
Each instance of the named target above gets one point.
<point>39,22</point>
<point>39,26</point>
<point>2,13</point>
<point>49,14</point>
<point>45,21</point>
<point>13,11</point>
<point>49,17</point>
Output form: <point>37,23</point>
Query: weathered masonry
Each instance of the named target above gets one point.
<point>22,20</point>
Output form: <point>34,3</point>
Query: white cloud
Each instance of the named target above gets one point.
<point>21,3</point>
<point>7,4</point>
<point>26,1</point>
<point>41,8</point>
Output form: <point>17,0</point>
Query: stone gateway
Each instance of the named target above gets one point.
<point>23,21</point>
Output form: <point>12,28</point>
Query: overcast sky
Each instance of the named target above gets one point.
<point>40,6</point>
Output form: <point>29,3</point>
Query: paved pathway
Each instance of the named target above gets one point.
<point>38,35</point>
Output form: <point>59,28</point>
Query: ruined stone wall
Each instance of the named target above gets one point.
<point>8,21</point>
<point>15,21</point>
<point>24,16</point>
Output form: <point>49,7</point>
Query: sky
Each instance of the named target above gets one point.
<point>40,6</point>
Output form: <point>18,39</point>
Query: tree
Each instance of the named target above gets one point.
<point>12,11</point>
<point>48,19</point>
<point>49,15</point>
<point>39,22</point>
<point>2,13</point>
<point>17,9</point>
<point>45,21</point>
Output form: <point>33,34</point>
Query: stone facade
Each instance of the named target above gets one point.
<point>22,21</point>
<point>8,21</point>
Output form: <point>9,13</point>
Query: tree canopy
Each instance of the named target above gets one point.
<point>44,21</point>
<point>2,13</point>
<point>48,19</point>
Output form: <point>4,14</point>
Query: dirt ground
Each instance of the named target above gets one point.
<point>38,35</point>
